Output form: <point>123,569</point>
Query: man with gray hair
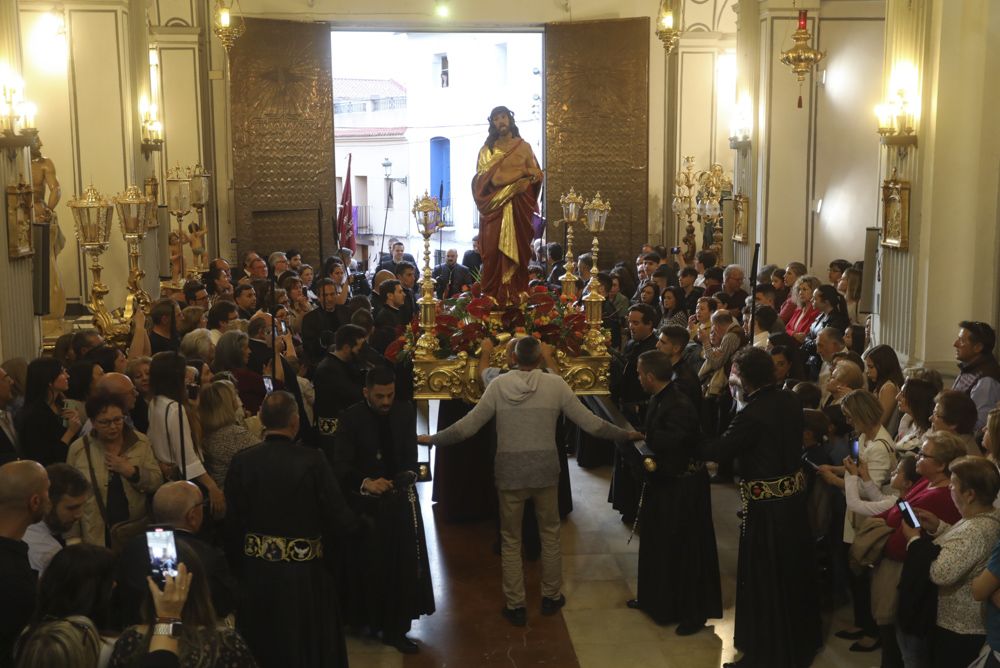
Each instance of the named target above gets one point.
<point>527,402</point>
<point>24,500</point>
<point>179,506</point>
<point>285,510</point>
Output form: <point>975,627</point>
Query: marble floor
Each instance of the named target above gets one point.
<point>595,629</point>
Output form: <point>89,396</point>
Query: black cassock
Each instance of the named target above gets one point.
<point>288,612</point>
<point>777,608</point>
<point>386,581</point>
<point>631,398</point>
<point>678,560</point>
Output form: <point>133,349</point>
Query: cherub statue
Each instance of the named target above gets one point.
<point>176,240</point>
<point>196,237</point>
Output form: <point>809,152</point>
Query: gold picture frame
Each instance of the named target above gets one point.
<point>741,204</point>
<point>896,213</point>
<point>19,213</point>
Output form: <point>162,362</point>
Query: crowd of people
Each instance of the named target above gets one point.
<point>255,415</point>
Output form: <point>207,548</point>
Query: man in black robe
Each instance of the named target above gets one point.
<point>631,399</point>
<point>678,560</point>
<point>390,319</point>
<point>387,581</point>
<point>673,340</point>
<point>285,512</point>
<point>319,324</point>
<point>777,608</point>
<point>339,382</point>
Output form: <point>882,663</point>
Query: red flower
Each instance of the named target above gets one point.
<point>480,307</point>
<point>392,351</point>
<point>540,288</point>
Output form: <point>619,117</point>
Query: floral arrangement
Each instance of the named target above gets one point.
<point>462,322</point>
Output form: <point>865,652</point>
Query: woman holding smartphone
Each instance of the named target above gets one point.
<point>45,426</point>
<point>875,451</point>
<point>180,620</point>
<point>965,549</point>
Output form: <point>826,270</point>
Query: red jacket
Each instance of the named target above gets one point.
<point>935,499</point>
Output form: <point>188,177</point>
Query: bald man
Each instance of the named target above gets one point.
<point>451,278</point>
<point>179,506</point>
<point>24,500</point>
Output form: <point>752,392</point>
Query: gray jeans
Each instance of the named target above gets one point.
<point>511,515</point>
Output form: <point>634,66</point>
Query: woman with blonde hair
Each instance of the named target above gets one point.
<point>223,431</point>
<point>876,453</point>
<point>804,314</point>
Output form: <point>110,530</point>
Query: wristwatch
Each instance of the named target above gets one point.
<point>171,629</point>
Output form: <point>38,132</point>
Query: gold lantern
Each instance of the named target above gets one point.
<point>134,212</point>
<point>595,217</point>
<point>427,212</point>
<point>571,204</point>
<point>92,219</point>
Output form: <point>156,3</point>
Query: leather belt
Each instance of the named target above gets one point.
<point>280,548</point>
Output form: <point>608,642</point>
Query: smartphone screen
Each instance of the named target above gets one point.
<point>909,516</point>
<point>268,385</point>
<point>162,554</point>
<point>675,250</point>
<point>854,449</point>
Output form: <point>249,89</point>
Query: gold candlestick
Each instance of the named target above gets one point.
<point>571,204</point>
<point>427,211</point>
<point>596,215</point>
<point>92,217</point>
<point>135,212</point>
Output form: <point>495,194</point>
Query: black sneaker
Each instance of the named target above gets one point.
<point>551,606</point>
<point>516,616</point>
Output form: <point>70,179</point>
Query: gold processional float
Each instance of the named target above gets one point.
<point>445,342</point>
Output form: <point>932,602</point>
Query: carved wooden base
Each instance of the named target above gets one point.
<point>456,377</point>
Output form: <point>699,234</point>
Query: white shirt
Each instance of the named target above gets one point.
<point>165,436</point>
<point>42,546</point>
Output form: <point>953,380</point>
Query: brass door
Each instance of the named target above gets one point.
<point>597,127</point>
<point>282,119</point>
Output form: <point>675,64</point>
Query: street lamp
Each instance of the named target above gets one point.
<point>387,166</point>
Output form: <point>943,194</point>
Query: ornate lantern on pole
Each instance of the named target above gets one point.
<point>596,215</point>
<point>427,212</point>
<point>92,218</point>
<point>712,182</point>
<point>571,204</point>
<point>134,212</point>
<point>179,205</point>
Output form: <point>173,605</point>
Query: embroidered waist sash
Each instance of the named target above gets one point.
<point>280,548</point>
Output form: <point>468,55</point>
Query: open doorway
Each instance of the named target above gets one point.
<point>411,109</point>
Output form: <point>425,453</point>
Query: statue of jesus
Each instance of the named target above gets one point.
<point>506,188</point>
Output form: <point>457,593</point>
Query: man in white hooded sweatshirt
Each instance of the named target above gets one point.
<point>527,403</point>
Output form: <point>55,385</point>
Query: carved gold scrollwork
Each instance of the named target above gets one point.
<point>456,378</point>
